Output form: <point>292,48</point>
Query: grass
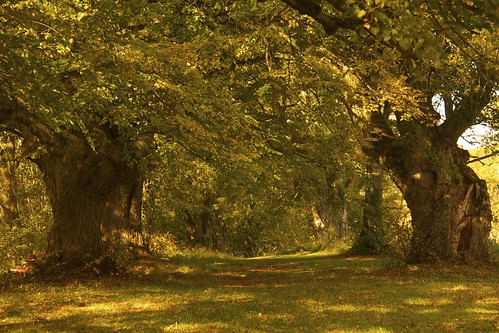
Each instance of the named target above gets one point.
<point>297,293</point>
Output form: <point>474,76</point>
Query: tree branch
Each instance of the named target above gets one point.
<point>478,159</point>
<point>330,23</point>
<point>293,151</point>
<point>470,103</point>
<point>17,119</point>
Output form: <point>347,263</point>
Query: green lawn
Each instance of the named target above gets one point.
<point>299,293</point>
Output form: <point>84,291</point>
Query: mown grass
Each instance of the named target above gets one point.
<point>298,293</point>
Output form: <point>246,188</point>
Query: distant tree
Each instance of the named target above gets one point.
<point>9,210</point>
<point>371,236</point>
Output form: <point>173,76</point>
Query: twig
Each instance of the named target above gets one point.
<point>484,157</point>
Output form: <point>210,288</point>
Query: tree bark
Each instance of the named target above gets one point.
<point>95,194</point>
<point>9,212</point>
<point>96,203</point>
<point>449,203</point>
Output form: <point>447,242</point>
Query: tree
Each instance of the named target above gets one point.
<point>9,211</point>
<point>298,110</point>
<point>89,86</point>
<point>488,169</point>
<point>94,191</point>
<point>95,88</point>
<point>399,58</point>
<point>371,237</point>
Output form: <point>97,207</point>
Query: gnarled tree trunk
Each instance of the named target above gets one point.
<point>96,202</point>
<point>449,203</point>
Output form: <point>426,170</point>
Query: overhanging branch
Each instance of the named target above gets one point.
<point>471,103</point>
<point>16,119</point>
<point>329,22</point>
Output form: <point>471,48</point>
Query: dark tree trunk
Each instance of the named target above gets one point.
<point>95,193</point>
<point>204,229</point>
<point>371,237</point>
<point>341,208</point>
<point>449,203</point>
<point>96,203</point>
<point>9,212</point>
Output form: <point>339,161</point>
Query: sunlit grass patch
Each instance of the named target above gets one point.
<point>492,301</point>
<point>482,311</point>
<point>459,287</point>
<point>429,301</point>
<point>185,269</point>
<point>349,308</point>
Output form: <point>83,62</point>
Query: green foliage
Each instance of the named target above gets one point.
<point>185,88</point>
<point>29,234</point>
<point>163,244</point>
<point>237,208</point>
<point>488,169</point>
<point>257,197</point>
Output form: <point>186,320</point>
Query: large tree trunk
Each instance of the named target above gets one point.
<point>9,212</point>
<point>95,192</point>
<point>449,203</point>
<point>96,203</point>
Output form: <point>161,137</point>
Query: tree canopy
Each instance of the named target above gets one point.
<point>241,112</point>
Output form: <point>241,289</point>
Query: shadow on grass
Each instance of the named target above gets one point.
<point>308,293</point>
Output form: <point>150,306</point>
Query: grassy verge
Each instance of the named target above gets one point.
<point>298,293</point>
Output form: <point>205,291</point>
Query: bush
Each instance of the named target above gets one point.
<point>163,244</point>
<point>17,242</point>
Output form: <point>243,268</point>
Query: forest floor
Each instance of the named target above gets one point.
<point>305,292</point>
